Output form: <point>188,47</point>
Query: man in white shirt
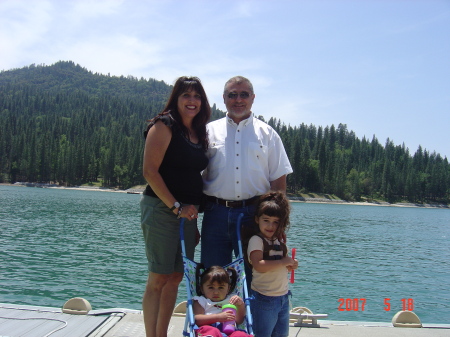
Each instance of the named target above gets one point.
<point>246,159</point>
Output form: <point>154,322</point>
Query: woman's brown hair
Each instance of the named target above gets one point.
<point>183,84</point>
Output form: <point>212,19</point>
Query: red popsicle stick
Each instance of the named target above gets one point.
<point>292,271</point>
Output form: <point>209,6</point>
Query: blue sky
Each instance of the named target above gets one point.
<point>380,66</point>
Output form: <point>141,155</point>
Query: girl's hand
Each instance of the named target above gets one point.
<point>226,316</point>
<point>289,262</point>
<point>293,266</point>
<point>236,300</point>
<point>239,303</point>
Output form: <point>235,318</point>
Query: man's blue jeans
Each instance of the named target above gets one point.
<point>219,238</point>
<point>270,315</point>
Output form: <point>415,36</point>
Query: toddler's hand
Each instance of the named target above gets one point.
<point>226,316</point>
<point>236,300</point>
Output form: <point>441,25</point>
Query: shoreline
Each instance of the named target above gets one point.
<point>291,199</point>
<point>366,203</point>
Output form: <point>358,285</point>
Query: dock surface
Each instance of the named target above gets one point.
<point>33,321</point>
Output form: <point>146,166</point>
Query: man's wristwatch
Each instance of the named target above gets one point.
<point>175,205</point>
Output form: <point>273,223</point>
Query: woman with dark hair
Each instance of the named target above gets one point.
<point>174,157</point>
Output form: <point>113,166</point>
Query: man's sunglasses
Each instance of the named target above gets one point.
<point>234,95</point>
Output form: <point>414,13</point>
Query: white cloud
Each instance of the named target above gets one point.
<point>309,61</point>
<point>94,9</point>
<point>117,55</point>
<point>245,9</point>
<point>23,27</point>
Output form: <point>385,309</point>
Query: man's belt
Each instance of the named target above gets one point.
<point>234,203</point>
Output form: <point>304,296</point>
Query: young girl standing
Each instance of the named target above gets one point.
<point>270,263</point>
<point>215,285</point>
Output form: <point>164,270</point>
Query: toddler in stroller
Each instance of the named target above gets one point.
<point>217,310</point>
<point>215,287</point>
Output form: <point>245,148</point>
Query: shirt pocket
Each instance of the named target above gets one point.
<point>258,156</point>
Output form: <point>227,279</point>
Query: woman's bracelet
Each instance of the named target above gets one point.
<point>180,209</point>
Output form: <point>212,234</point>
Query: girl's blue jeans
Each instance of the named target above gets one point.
<point>270,315</point>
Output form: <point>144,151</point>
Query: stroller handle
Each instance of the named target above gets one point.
<point>183,246</point>
<point>238,232</point>
<point>182,227</point>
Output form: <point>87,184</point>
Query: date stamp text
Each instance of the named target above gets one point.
<point>359,304</point>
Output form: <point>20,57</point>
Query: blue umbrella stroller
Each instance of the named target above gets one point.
<point>240,290</point>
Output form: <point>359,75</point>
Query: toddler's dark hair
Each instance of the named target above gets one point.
<point>215,274</point>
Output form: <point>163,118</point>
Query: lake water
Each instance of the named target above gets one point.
<point>360,263</point>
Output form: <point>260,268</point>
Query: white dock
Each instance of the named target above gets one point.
<point>34,321</point>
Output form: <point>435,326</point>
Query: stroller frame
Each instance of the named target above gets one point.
<point>189,325</point>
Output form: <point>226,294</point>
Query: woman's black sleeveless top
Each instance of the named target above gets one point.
<point>182,166</point>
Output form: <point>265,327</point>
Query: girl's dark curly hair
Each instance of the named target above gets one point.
<point>215,274</point>
<point>275,204</point>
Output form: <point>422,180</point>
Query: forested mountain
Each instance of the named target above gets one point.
<point>65,124</point>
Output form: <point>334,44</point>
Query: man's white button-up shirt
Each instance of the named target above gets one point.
<point>243,159</point>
